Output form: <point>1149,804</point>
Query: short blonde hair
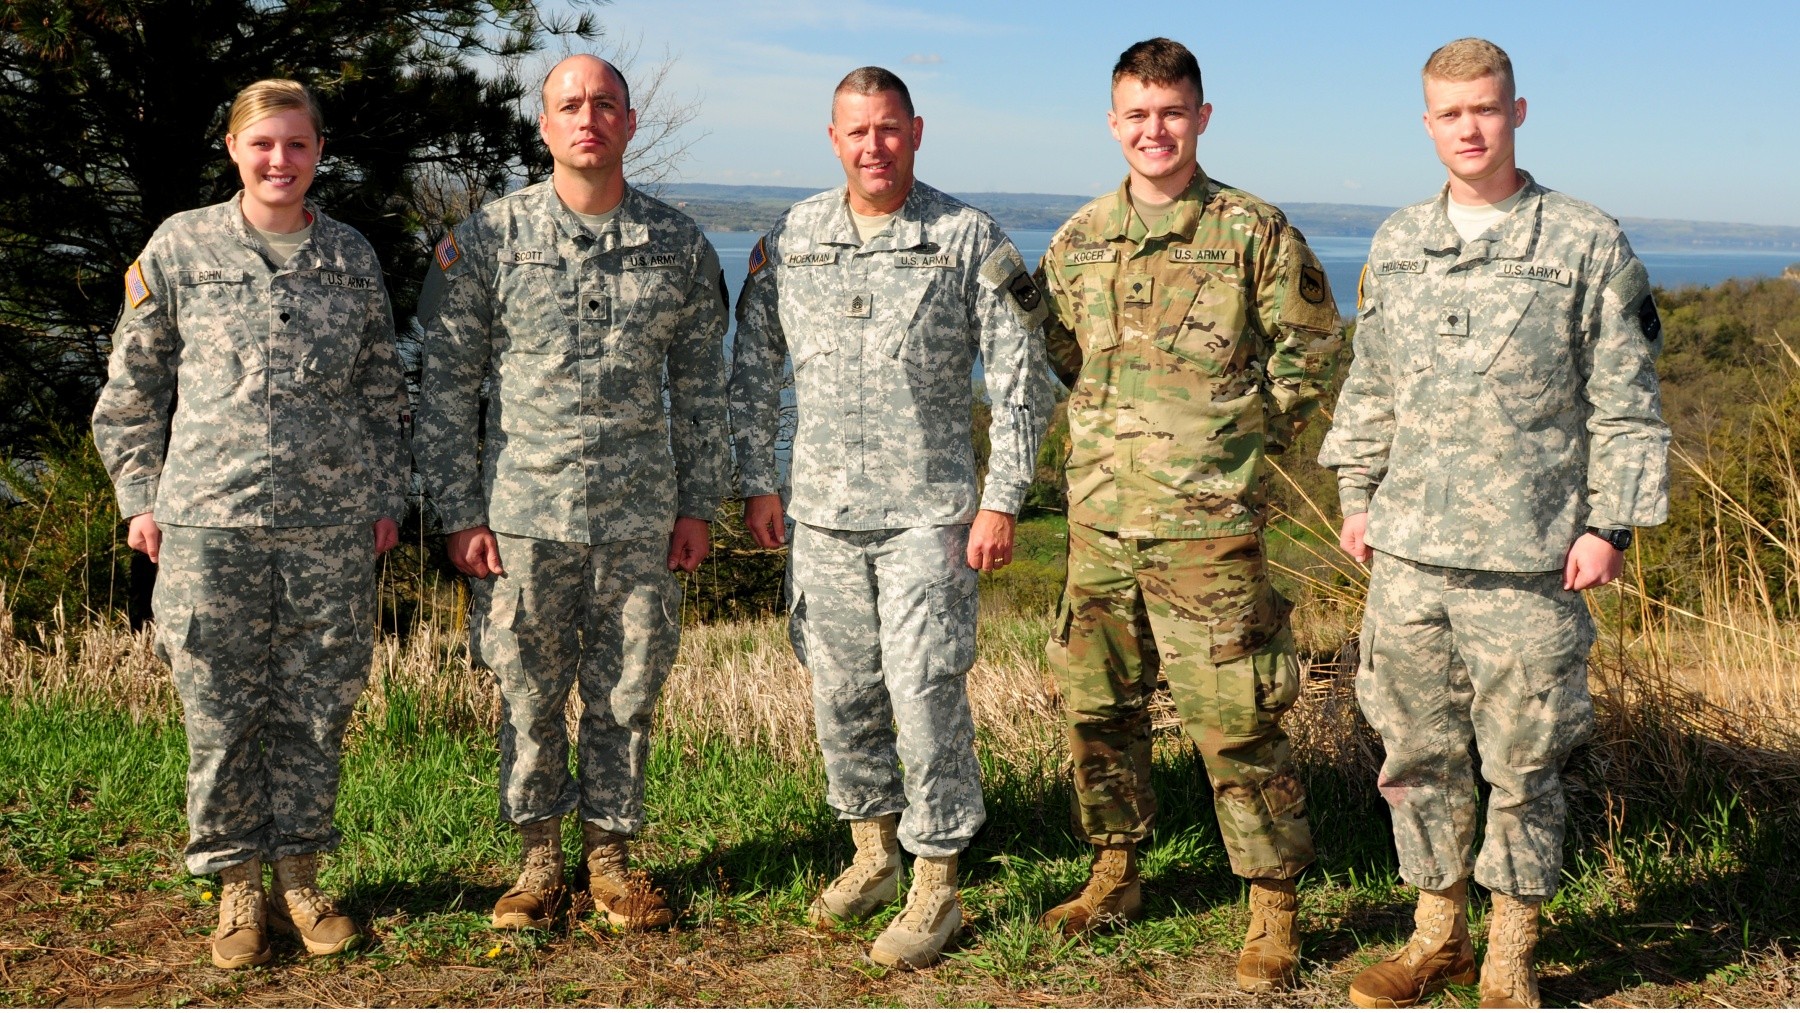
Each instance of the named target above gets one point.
<point>274,95</point>
<point>1468,59</point>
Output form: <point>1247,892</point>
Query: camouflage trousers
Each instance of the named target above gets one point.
<point>1201,613</point>
<point>1450,655</point>
<point>885,623</point>
<point>605,618</point>
<point>268,633</point>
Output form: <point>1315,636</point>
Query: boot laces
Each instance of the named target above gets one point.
<point>931,892</point>
<point>237,906</point>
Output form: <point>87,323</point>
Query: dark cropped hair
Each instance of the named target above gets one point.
<point>873,81</point>
<point>1160,61</point>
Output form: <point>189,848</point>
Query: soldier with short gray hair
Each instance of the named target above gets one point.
<point>569,302</point>
<point>1498,438</point>
<point>884,294</point>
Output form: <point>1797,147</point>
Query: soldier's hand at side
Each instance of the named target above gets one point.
<point>991,540</point>
<point>763,518</point>
<point>1592,562</point>
<point>476,552</point>
<point>387,535</point>
<point>1351,535</point>
<point>144,536</point>
<point>689,544</point>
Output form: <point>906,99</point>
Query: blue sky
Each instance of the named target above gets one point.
<point>1651,109</point>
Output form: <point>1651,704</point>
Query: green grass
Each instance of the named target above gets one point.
<point>739,838</point>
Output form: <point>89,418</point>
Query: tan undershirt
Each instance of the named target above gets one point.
<point>597,222</point>
<point>870,226</point>
<point>1471,220</point>
<point>1149,213</point>
<point>282,245</point>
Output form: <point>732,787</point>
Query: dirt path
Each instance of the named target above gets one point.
<point>60,946</point>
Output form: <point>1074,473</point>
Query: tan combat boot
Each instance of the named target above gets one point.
<point>1270,959</point>
<point>1507,980</point>
<point>1111,898</point>
<point>298,908</point>
<point>623,893</point>
<point>1438,953</point>
<point>532,901</point>
<point>917,935</point>
<point>241,940</point>
<point>870,881</point>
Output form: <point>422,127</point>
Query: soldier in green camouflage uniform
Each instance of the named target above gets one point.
<point>251,424</point>
<point>568,303</point>
<point>1497,438</point>
<point>884,294</point>
<point>1195,331</point>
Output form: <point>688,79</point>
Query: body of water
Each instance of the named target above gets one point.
<point>1343,258</point>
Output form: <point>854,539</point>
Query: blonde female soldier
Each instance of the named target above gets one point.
<point>251,424</point>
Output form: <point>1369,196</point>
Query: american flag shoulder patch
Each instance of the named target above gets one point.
<point>448,253</point>
<point>758,256</point>
<point>136,289</point>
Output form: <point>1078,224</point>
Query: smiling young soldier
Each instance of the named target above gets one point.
<point>572,300</point>
<point>1195,331</point>
<point>1498,437</point>
<point>884,293</point>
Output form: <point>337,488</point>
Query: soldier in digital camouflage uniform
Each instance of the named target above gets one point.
<point>1195,331</point>
<point>1496,441</point>
<point>884,293</point>
<point>251,424</point>
<point>571,300</point>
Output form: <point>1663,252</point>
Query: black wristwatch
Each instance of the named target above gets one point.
<point>1618,538</point>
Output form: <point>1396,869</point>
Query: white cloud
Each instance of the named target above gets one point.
<point>924,58</point>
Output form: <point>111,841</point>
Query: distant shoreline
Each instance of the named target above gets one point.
<point>720,207</point>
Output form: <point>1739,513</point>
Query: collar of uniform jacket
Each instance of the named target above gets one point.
<point>302,258</point>
<point>1512,239</point>
<point>1183,222</point>
<point>905,231</point>
<point>627,228</point>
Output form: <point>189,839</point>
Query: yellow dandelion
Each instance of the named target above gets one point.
<point>495,952</point>
<point>206,895</point>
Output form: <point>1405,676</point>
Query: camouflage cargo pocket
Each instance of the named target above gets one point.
<point>1247,630</point>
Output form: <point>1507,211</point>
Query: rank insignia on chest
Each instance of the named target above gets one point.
<point>447,252</point>
<point>860,304</point>
<point>1454,323</point>
<point>1136,289</point>
<point>136,290</point>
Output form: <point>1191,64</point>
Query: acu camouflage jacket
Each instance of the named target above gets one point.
<point>239,395</point>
